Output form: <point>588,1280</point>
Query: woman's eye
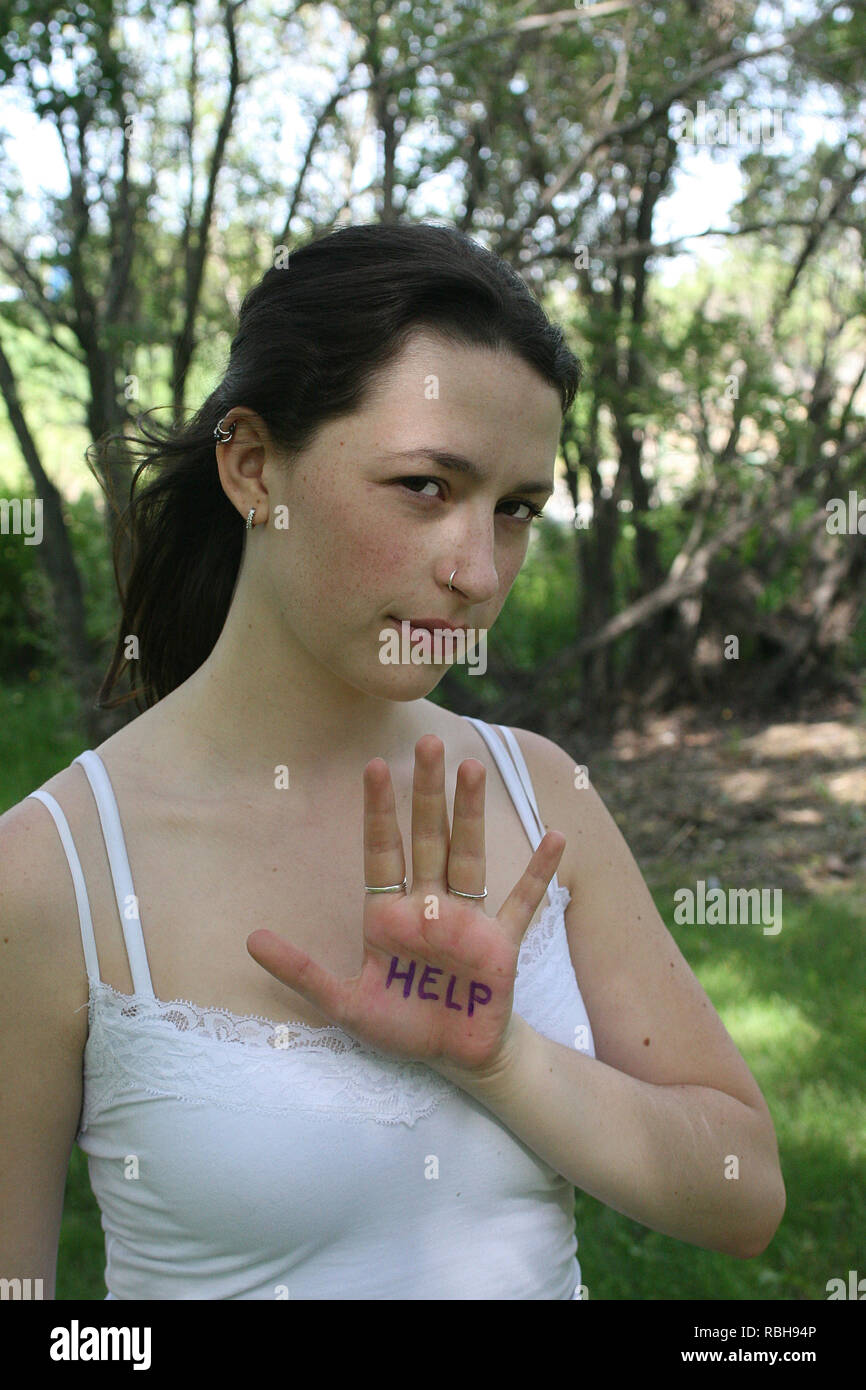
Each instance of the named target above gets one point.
<point>423,481</point>
<point>414,484</point>
<point>532,510</point>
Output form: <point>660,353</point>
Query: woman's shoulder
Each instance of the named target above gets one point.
<point>31,852</point>
<point>459,730</point>
<point>554,774</point>
<point>39,922</point>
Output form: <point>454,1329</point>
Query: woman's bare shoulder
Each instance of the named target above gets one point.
<point>39,924</point>
<point>31,851</point>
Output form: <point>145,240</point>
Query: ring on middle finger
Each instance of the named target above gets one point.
<point>466,895</point>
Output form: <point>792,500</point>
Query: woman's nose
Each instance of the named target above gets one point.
<point>471,566</point>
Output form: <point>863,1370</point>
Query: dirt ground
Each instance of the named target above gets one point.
<point>699,792</point>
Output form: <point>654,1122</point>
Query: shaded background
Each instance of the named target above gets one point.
<point>682,185</point>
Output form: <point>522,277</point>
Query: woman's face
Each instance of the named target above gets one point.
<point>372,539</point>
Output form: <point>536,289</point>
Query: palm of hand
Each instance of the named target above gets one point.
<point>436,982</point>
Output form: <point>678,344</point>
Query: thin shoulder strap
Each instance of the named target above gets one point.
<point>115,846</point>
<point>515,775</point>
<point>85,921</point>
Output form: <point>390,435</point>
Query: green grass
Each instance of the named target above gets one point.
<point>794,1006</point>
<point>792,1003</point>
<point>81,1256</point>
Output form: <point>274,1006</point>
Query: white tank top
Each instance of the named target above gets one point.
<point>240,1157</point>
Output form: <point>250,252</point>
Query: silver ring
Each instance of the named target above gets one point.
<point>450,585</point>
<point>392,888</point>
<point>466,895</point>
<point>223,435</point>
<point>250,515</point>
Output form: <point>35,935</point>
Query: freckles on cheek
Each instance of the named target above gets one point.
<point>395,561</point>
<point>358,535</point>
<point>361,560</point>
<point>380,553</point>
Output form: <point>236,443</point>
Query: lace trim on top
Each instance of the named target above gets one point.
<point>321,1069</point>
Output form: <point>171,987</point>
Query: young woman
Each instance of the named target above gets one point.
<point>357,1026</point>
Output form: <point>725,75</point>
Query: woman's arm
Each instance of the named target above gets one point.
<point>660,1154</point>
<point>42,982</point>
<point>660,1122</point>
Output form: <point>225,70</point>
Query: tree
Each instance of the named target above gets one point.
<point>561,133</point>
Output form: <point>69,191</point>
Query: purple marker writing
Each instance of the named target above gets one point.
<point>478,993</point>
<point>395,974</point>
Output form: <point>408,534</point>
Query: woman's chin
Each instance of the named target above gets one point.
<point>410,682</point>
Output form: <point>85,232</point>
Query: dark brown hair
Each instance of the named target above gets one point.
<point>312,336</point>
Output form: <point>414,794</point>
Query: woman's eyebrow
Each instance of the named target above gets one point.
<point>458,464</point>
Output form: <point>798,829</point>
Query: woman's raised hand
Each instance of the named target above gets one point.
<point>436,983</point>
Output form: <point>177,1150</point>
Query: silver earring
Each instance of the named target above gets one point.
<point>250,516</point>
<point>222,435</point>
<point>450,585</point>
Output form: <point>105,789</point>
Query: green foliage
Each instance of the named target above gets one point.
<point>539,614</point>
<point>25,642</point>
<point>510,117</point>
<point>85,521</point>
<point>28,626</point>
<point>38,733</point>
<point>852,653</point>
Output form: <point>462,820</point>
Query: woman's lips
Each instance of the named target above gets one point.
<point>431,624</point>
